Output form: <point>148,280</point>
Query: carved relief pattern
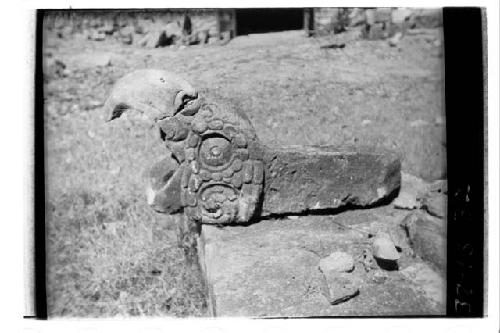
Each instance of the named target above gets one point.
<point>220,183</point>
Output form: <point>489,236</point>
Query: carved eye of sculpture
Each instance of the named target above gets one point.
<point>215,151</point>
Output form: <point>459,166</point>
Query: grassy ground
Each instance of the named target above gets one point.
<point>107,252</point>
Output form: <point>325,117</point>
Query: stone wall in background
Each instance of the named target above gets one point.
<point>151,28</point>
<point>163,27</point>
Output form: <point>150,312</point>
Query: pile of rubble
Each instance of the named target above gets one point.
<point>150,33</point>
<point>391,24</point>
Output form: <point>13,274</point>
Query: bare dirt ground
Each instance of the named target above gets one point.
<point>107,252</point>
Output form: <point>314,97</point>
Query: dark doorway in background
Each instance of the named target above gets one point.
<point>259,20</point>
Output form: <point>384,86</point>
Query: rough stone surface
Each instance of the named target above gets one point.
<point>428,281</point>
<point>163,186</point>
<point>384,248</point>
<point>337,262</point>
<point>412,188</point>
<point>156,93</point>
<point>427,235</point>
<point>270,269</point>
<point>439,186</point>
<point>228,176</point>
<point>435,204</point>
<point>341,287</point>
<point>406,200</point>
<point>300,179</point>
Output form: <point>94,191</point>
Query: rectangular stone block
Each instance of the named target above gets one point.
<point>303,178</point>
<point>271,269</point>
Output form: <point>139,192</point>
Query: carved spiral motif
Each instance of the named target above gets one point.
<point>220,184</point>
<point>218,203</point>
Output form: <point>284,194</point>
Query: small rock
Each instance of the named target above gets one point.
<point>66,73</point>
<point>340,289</point>
<point>293,217</point>
<point>385,252</point>
<point>412,188</point>
<point>366,122</point>
<point>94,104</point>
<point>384,248</point>
<point>435,205</point>
<point>97,36</point>
<point>337,262</point>
<point>439,120</point>
<point>427,236</point>
<point>394,40</point>
<point>116,170</point>
<point>406,200</point>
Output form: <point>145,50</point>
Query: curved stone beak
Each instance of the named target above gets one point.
<point>157,94</point>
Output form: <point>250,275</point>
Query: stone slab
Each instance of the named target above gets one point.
<point>304,178</point>
<point>427,235</point>
<point>270,269</point>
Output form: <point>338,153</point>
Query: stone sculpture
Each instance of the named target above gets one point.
<point>215,170</point>
<point>218,172</point>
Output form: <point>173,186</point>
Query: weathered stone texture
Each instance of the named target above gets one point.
<point>222,174</point>
<point>270,269</point>
<point>155,93</point>
<point>299,179</point>
<point>427,235</point>
<point>163,186</point>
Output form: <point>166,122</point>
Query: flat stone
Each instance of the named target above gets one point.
<point>300,179</point>
<point>337,262</point>
<point>427,236</point>
<point>270,269</point>
<point>341,288</point>
<point>428,281</point>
